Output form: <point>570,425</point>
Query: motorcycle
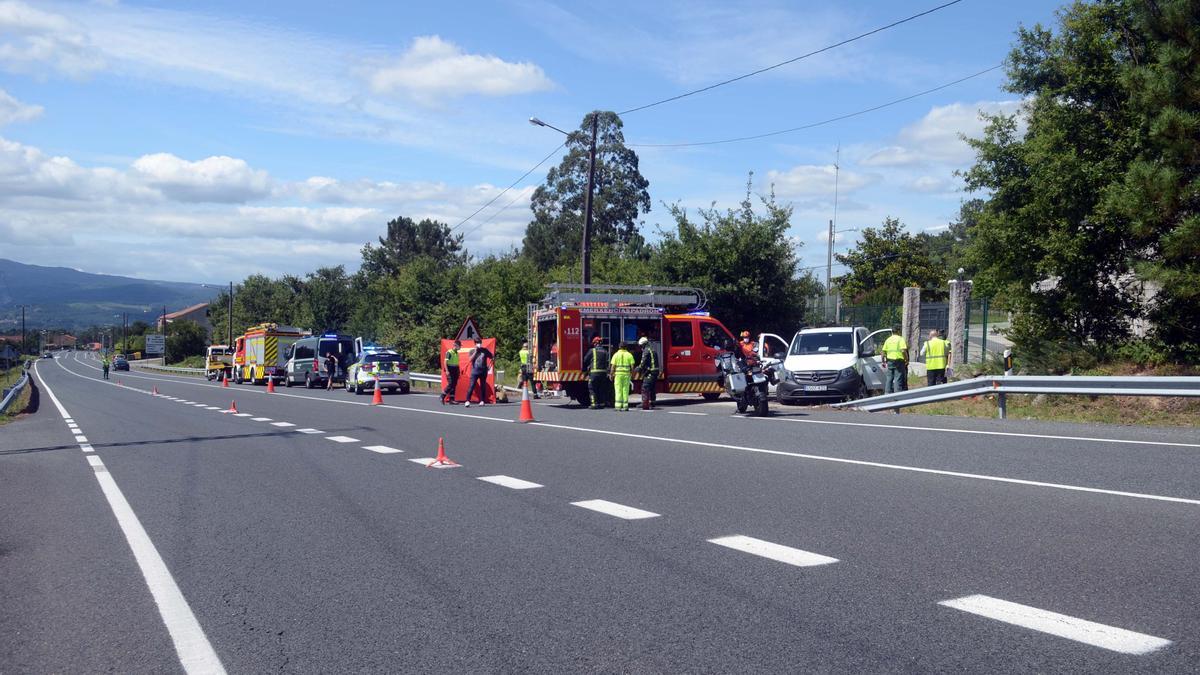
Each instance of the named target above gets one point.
<point>746,383</point>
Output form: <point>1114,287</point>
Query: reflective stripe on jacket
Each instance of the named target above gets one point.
<point>935,354</point>
<point>451,358</point>
<point>895,348</point>
<point>622,361</point>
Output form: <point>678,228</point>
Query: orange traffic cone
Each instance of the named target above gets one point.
<point>156,390</point>
<point>526,407</point>
<point>232,407</point>
<point>270,385</point>
<point>225,380</point>
<point>377,398</point>
<point>441,456</point>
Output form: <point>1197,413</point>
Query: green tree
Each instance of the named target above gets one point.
<point>883,262</point>
<point>407,240</point>
<point>184,339</point>
<point>326,294</point>
<point>555,234</point>
<point>743,261</point>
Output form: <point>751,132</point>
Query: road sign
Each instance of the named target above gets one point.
<point>468,331</point>
<point>155,344</point>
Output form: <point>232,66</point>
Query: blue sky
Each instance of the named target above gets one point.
<point>278,137</point>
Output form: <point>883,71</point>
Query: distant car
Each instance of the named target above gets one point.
<point>384,368</point>
<point>47,355</point>
<point>120,363</point>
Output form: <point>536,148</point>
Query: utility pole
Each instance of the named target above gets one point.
<point>164,334</point>
<point>837,169</point>
<point>230,343</point>
<point>24,348</point>
<point>586,253</point>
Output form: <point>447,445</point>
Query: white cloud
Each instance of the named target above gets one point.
<point>434,69</point>
<point>213,179</point>
<point>12,110</point>
<point>932,184</point>
<point>935,138</point>
<point>27,172</point>
<point>812,179</point>
<point>31,39</point>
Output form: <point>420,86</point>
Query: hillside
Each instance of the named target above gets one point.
<point>67,298</point>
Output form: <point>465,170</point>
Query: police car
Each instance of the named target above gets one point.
<point>380,367</point>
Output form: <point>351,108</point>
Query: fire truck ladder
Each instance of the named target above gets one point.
<point>615,294</point>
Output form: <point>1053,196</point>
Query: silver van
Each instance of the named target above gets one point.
<point>306,359</point>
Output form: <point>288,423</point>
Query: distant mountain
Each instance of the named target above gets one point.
<point>60,297</point>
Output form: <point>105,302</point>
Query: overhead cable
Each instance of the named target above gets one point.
<point>792,60</point>
<point>511,186</point>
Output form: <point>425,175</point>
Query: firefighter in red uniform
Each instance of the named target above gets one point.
<point>749,348</point>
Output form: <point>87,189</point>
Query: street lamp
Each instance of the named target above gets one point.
<point>586,248</point>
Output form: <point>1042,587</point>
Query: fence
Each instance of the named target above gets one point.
<point>11,395</point>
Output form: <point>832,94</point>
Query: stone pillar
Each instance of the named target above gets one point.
<point>960,293</point>
<point>910,325</point>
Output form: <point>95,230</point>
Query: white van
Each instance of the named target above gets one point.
<point>835,363</point>
<point>306,359</point>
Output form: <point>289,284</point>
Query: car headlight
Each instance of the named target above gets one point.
<point>786,374</point>
<point>847,372</point>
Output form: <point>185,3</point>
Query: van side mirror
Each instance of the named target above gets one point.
<point>778,356</point>
<point>866,349</point>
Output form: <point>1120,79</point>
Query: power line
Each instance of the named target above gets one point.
<point>811,125</point>
<point>511,186</point>
<point>792,60</point>
<point>492,217</point>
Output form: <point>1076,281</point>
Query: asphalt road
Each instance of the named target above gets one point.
<point>846,541</point>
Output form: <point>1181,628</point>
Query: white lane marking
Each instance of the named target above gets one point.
<point>80,439</point>
<point>282,424</point>
<point>195,653</point>
<point>615,509</point>
<point>431,462</point>
<point>680,412</point>
<point>341,439</point>
<point>261,419</point>
<point>69,421</point>
<point>241,414</point>
<point>381,449</point>
<point>85,447</point>
<point>777,552</point>
<point>212,407</point>
<point>94,461</point>
<point>879,465</point>
<point>310,431</point>
<point>1061,625</point>
<point>510,482</point>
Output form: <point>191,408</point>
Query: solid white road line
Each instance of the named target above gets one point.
<point>382,449</point>
<point>777,552</point>
<point>510,482</point>
<point>878,465</point>
<point>341,439</point>
<point>1061,625</point>
<point>430,462</point>
<point>196,654</point>
<point>680,412</point>
<point>261,419</point>
<point>282,424</point>
<point>310,431</point>
<point>614,509</point>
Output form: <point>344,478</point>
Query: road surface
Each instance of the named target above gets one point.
<point>306,533</point>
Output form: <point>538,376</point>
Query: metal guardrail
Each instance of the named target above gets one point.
<point>1001,385</point>
<point>14,392</point>
<point>168,369</point>
<point>437,379</point>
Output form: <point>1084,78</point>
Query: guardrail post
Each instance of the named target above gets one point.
<point>1002,406</point>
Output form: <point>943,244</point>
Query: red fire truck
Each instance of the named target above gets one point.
<point>686,339</point>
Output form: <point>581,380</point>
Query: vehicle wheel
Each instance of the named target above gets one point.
<point>359,389</point>
<point>287,381</point>
<point>404,389</point>
<point>742,405</point>
<point>308,381</point>
<point>760,408</point>
<point>349,387</point>
<point>862,391</point>
<point>711,396</point>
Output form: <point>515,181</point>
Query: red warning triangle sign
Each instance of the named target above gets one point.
<point>469,330</point>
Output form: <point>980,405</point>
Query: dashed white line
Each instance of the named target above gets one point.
<point>94,461</point>
<point>1060,625</point>
<point>85,447</point>
<point>80,439</point>
<point>341,439</point>
<point>614,509</point>
<point>432,463</point>
<point>282,424</point>
<point>211,407</point>
<point>510,482</point>
<point>261,419</point>
<point>382,449</point>
<point>777,552</point>
<point>680,412</point>
<point>309,431</point>
<point>241,414</point>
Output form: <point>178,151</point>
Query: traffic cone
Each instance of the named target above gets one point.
<point>156,390</point>
<point>441,456</point>
<point>270,385</point>
<point>526,407</point>
<point>225,380</point>
<point>232,407</point>
<point>377,398</point>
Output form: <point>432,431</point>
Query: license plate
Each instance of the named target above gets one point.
<point>815,387</point>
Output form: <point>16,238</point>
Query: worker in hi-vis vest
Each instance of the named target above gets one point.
<point>526,376</point>
<point>622,371</point>
<point>452,372</point>
<point>936,352</point>
<point>895,357</point>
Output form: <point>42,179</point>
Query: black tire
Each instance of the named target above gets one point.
<point>349,388</point>
<point>359,389</point>
<point>308,384</point>
<point>760,408</point>
<point>287,381</point>
<point>742,405</point>
<point>711,396</point>
<point>404,388</point>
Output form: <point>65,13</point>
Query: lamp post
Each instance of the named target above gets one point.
<point>586,247</point>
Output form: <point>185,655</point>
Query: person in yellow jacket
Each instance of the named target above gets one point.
<point>526,377</point>
<point>621,369</point>
<point>936,352</point>
<point>895,357</point>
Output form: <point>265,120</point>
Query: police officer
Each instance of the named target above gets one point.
<point>622,372</point>
<point>526,376</point>
<point>895,357</point>
<point>595,362</point>
<point>104,366</point>
<point>935,351</point>
<point>649,370</point>
<point>451,373</point>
